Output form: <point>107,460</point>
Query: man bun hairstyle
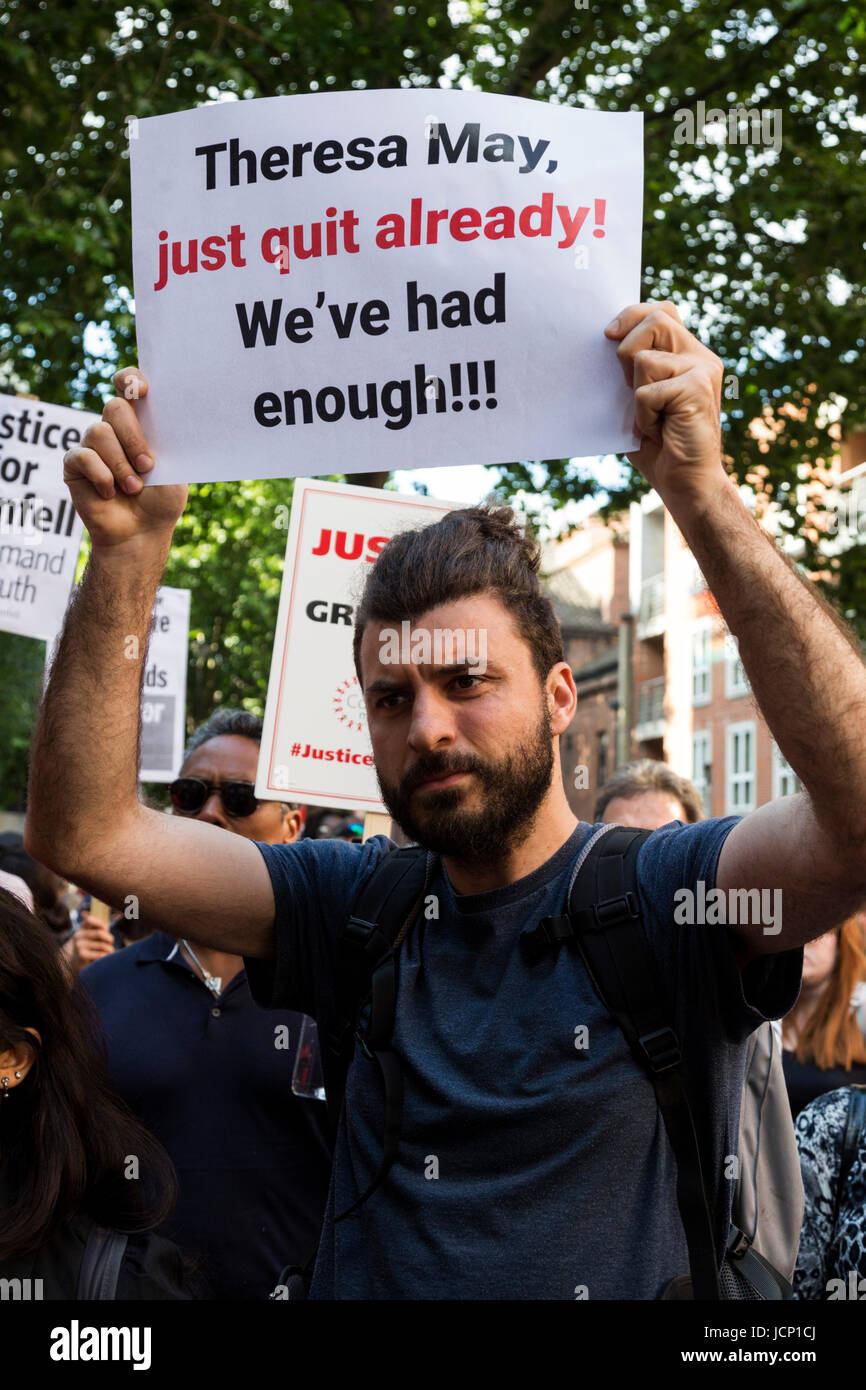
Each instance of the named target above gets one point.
<point>473,551</point>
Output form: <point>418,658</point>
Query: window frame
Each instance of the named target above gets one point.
<point>732,732</point>
<point>734,689</point>
<point>781,767</point>
<point>704,786</point>
<point>702,630</point>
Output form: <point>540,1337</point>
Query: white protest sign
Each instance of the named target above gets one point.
<point>315,745</point>
<point>40,531</point>
<point>163,696</point>
<point>369,280</point>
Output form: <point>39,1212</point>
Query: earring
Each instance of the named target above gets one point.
<point>17,1076</point>
<point>4,1082</point>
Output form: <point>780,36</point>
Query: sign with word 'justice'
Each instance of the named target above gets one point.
<point>349,281</point>
<point>163,695</point>
<point>315,746</point>
<point>40,531</point>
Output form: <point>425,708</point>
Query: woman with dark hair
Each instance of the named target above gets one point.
<point>824,1035</point>
<point>82,1183</point>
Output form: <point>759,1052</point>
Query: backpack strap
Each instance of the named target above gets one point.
<point>367,949</point>
<point>855,1125</point>
<point>604,922</point>
<point>383,906</point>
<point>100,1264</point>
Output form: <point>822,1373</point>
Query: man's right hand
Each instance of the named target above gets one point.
<point>104,474</point>
<point>181,870</point>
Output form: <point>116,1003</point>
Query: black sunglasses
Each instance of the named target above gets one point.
<point>189,794</point>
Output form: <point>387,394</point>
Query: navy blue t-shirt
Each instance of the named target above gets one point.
<point>533,1162</point>
<point>212,1079</point>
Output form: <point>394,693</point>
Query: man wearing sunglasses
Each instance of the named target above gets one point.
<point>553,1175</point>
<point>207,1070</point>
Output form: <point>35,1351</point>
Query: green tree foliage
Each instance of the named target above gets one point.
<point>228,551</point>
<point>762,251</point>
<point>22,662</point>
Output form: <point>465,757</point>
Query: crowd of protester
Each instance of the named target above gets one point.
<point>111,1033</point>
<point>541,1080</point>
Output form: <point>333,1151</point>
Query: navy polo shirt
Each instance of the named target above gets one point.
<point>211,1078</point>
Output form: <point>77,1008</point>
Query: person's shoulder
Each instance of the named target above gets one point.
<point>688,833</point>
<point>682,849</point>
<point>820,1132</point>
<point>329,850</point>
<point>325,862</point>
<point>314,884</point>
<point>827,1112</point>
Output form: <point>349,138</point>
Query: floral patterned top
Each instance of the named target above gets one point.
<point>831,1263</point>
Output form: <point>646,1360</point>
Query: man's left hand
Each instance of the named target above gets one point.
<point>677,397</point>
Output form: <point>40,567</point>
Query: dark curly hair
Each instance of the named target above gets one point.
<point>474,551</point>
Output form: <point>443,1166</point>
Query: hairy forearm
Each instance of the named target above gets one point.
<point>84,768</point>
<point>803,664</point>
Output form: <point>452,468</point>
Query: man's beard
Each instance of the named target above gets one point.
<point>512,791</point>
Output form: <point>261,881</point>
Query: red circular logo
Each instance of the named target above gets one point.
<point>348,705</point>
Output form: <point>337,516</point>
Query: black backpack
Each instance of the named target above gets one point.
<point>603,923</point>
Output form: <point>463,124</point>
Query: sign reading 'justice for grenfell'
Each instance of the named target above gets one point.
<point>40,531</point>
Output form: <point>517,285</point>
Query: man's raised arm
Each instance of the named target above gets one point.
<point>84,817</point>
<point>805,670</point>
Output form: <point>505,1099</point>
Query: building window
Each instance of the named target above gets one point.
<point>736,680</point>
<point>702,757</point>
<point>740,788</point>
<point>702,643</point>
<point>785,779</point>
<point>603,745</point>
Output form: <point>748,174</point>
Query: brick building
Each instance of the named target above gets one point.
<point>691,705</point>
<point>596,558</point>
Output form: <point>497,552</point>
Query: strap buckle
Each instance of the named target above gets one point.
<point>616,909</point>
<point>366,937</point>
<point>738,1245</point>
<point>358,931</point>
<point>662,1049</point>
<point>555,929</point>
